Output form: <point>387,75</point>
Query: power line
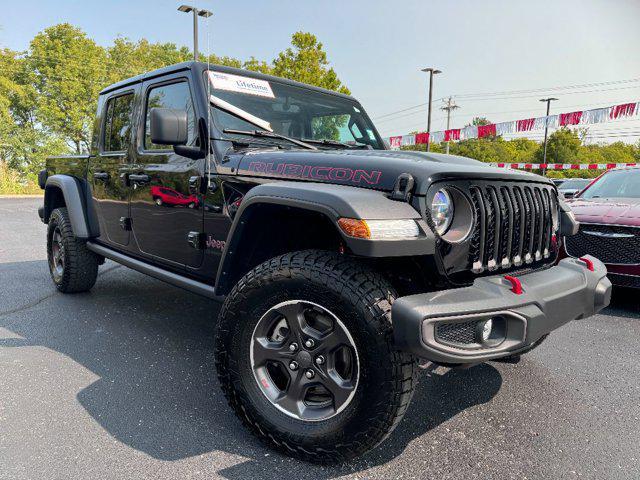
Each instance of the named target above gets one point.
<point>480,96</point>
<point>563,93</point>
<point>566,87</point>
<point>407,109</point>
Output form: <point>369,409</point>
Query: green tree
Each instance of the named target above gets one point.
<point>563,146</point>
<point>69,72</point>
<point>306,61</point>
<point>258,66</point>
<point>477,121</point>
<point>24,141</point>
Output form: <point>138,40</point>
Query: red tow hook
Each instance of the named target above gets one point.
<point>588,262</point>
<point>516,285</point>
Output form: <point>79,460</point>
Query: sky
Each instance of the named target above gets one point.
<point>378,48</point>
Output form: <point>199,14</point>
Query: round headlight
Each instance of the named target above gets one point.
<point>442,211</point>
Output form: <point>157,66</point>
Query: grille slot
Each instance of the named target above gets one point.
<point>463,333</point>
<point>610,244</point>
<point>513,225</point>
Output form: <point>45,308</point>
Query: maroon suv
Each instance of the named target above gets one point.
<point>609,214</point>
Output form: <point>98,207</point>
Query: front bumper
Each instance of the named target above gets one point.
<point>549,299</point>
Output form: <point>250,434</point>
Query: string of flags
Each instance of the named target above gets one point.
<point>582,117</point>
<point>564,166</point>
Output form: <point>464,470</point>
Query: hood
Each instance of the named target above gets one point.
<point>613,211</point>
<point>376,169</point>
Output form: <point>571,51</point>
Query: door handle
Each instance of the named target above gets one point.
<point>101,176</point>
<point>194,183</point>
<point>139,178</point>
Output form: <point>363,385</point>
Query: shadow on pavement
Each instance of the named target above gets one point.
<point>624,303</point>
<point>152,347</point>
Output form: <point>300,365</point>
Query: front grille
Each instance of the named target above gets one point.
<point>608,243</point>
<point>513,225</point>
<point>463,333</point>
<point>620,280</point>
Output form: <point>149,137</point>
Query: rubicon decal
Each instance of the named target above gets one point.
<point>336,174</point>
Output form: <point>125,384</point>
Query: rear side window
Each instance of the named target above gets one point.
<point>177,96</point>
<point>117,127</point>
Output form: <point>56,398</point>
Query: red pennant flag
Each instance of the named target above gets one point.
<point>453,134</point>
<point>624,110</point>
<point>422,138</point>
<point>525,125</point>
<point>487,130</point>
<point>395,142</point>
<point>572,118</point>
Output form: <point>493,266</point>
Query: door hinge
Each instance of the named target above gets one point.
<point>196,240</point>
<point>125,223</point>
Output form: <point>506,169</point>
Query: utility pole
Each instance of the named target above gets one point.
<point>432,72</point>
<point>546,128</point>
<point>196,13</point>
<point>451,105</point>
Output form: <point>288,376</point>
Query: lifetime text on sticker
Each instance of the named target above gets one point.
<point>236,83</point>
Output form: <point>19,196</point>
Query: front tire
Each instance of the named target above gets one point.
<point>350,386</point>
<point>72,266</point>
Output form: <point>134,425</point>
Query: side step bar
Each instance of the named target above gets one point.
<point>156,272</point>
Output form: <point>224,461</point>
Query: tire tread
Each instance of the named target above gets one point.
<point>364,287</point>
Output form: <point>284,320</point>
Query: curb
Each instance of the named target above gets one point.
<point>21,196</point>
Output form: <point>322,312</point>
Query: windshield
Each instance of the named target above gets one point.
<point>292,111</point>
<point>616,184</point>
<point>574,184</point>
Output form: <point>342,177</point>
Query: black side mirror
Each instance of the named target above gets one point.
<point>169,126</point>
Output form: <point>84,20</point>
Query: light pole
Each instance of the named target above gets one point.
<point>196,13</point>
<point>546,128</point>
<point>432,71</point>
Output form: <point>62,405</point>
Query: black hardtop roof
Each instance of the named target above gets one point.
<point>200,67</point>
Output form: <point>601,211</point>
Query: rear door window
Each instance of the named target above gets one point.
<point>117,126</point>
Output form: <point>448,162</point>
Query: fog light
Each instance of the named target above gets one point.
<point>485,330</point>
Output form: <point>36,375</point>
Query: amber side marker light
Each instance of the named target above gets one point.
<point>354,227</point>
<point>379,229</point>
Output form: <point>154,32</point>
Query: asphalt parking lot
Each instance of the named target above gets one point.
<point>120,383</point>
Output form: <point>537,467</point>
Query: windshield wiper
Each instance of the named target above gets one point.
<point>326,141</point>
<point>267,134</point>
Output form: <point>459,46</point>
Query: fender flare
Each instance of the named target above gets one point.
<point>334,202</point>
<point>75,196</point>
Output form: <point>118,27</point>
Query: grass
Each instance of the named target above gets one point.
<point>11,183</point>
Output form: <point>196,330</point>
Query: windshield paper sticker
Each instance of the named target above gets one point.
<point>236,83</point>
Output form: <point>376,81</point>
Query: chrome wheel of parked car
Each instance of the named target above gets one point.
<point>304,360</point>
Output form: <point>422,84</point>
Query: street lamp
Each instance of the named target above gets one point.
<point>546,123</point>
<point>432,71</point>
<point>196,13</point>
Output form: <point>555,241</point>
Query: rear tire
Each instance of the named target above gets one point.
<point>353,297</point>
<point>72,266</point>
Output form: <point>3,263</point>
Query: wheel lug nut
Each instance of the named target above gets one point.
<point>293,365</point>
<point>293,347</point>
<point>320,360</point>
<point>310,373</point>
<point>309,343</point>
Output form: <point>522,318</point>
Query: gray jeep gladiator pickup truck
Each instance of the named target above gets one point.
<point>340,262</point>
